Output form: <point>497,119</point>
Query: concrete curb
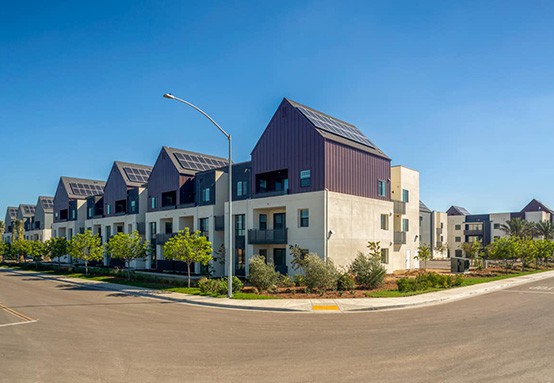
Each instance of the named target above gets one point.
<point>343,305</point>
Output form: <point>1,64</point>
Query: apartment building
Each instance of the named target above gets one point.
<point>464,227</point>
<point>25,213</point>
<point>11,216</point>
<point>40,228</point>
<point>121,208</point>
<point>70,205</point>
<point>433,227</point>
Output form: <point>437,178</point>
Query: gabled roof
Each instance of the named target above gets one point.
<point>457,210</point>
<point>536,205</point>
<point>47,203</point>
<point>134,175</point>
<point>27,210</point>
<point>81,188</point>
<point>336,130</point>
<point>11,212</point>
<point>423,207</point>
<point>189,163</point>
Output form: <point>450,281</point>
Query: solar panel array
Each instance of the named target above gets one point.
<point>199,163</point>
<point>47,203</point>
<point>85,189</point>
<point>335,126</point>
<point>29,209</point>
<point>136,174</point>
<point>13,212</point>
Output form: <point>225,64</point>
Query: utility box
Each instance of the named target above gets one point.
<point>459,265</point>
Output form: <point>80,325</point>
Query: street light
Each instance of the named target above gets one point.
<point>230,249</point>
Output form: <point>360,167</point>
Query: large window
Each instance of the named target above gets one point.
<point>304,217</point>
<point>382,185</point>
<point>204,226</point>
<point>153,230</point>
<point>405,195</point>
<point>206,195</point>
<point>405,225</point>
<point>153,202</point>
<point>240,225</point>
<point>169,198</point>
<point>241,188</point>
<point>262,220</point>
<point>305,178</point>
<point>384,221</point>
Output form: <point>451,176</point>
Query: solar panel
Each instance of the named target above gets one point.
<point>13,212</point>
<point>137,175</point>
<point>47,203</point>
<point>86,189</point>
<point>198,163</point>
<point>29,209</point>
<point>335,126</point>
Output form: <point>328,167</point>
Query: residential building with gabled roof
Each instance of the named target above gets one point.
<point>39,227</point>
<point>10,217</point>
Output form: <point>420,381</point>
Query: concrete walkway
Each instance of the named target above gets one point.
<point>344,305</point>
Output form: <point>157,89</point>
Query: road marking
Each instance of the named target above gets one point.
<point>17,314</point>
<point>325,308</point>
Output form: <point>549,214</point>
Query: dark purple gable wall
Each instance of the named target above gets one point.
<point>115,189</point>
<point>61,199</point>
<point>164,177</point>
<point>352,171</point>
<point>290,142</point>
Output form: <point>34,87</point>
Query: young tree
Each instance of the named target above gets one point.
<point>20,248</point>
<point>18,231</point>
<point>127,247</point>
<point>262,275</point>
<point>57,247</point>
<point>87,247</point>
<point>423,255</point>
<point>442,248</point>
<point>3,250</point>
<point>528,252</point>
<point>473,251</point>
<point>544,248</point>
<point>38,250</point>
<point>188,248</point>
<point>505,249</point>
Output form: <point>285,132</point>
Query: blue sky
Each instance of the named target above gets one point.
<point>462,91</point>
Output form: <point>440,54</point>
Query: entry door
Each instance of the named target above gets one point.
<point>408,259</point>
<point>279,221</point>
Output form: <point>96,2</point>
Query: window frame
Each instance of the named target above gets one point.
<point>305,178</point>
<point>303,221</point>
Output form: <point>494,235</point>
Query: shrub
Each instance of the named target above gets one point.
<point>286,281</point>
<point>318,275</point>
<point>299,280</point>
<point>426,281</point>
<point>262,275</point>
<point>368,271</point>
<point>346,282</point>
<point>218,286</point>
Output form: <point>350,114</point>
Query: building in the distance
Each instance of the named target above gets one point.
<point>40,228</point>
<point>433,228</point>
<point>11,216</point>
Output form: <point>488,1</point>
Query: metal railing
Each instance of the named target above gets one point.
<point>257,236</point>
<point>399,207</point>
<point>400,237</point>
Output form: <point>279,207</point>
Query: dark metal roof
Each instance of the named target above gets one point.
<point>47,203</point>
<point>191,162</point>
<point>134,174</point>
<point>457,210</point>
<point>536,205</point>
<point>337,130</point>
<point>81,188</point>
<point>12,212</point>
<point>423,207</point>
<point>27,210</point>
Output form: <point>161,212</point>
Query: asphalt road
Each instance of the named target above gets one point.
<point>85,335</point>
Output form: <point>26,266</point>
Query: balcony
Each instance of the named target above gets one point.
<point>399,207</point>
<point>399,237</point>
<point>273,193</point>
<point>439,230</point>
<point>163,238</point>
<point>267,237</point>
<point>473,232</point>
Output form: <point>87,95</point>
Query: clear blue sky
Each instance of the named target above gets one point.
<point>462,91</point>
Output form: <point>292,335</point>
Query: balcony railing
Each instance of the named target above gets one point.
<point>399,237</point>
<point>267,237</point>
<point>271,193</point>
<point>473,232</point>
<point>399,207</point>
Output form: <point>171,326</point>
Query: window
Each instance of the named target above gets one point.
<point>382,185</point>
<point>262,186</point>
<point>497,226</point>
<point>304,218</point>
<point>405,224</point>
<point>442,225</point>
<point>240,225</point>
<point>458,227</point>
<point>153,202</point>
<point>458,253</point>
<point>262,220</point>
<point>305,178</point>
<point>168,227</point>
<point>73,214</point>
<point>204,226</point>
<point>405,195</point>
<point>153,230</point>
<point>133,206</point>
<point>90,212</point>
<point>385,256</point>
<point>458,239</point>
<point>206,195</point>
<point>384,221</point>
<point>263,253</point>
<point>108,232</point>
<point>241,188</point>
<point>108,209</point>
<point>169,198</point>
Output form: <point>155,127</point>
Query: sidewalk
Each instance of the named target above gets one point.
<point>343,305</point>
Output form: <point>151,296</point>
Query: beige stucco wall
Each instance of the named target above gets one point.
<point>454,220</point>
<point>440,230</point>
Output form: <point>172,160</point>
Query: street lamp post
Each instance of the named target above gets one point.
<point>230,249</point>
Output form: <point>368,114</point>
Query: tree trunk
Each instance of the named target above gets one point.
<point>188,271</point>
<point>86,267</point>
<point>128,270</point>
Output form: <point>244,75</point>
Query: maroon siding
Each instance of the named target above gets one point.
<point>115,190</point>
<point>355,172</point>
<point>61,200</point>
<point>164,177</point>
<point>290,142</point>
